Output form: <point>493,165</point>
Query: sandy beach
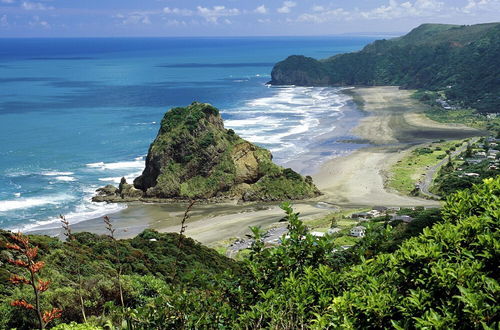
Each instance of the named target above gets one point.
<point>394,123</point>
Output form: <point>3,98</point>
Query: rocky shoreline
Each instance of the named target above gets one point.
<point>195,158</point>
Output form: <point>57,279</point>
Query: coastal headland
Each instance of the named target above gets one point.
<point>394,123</point>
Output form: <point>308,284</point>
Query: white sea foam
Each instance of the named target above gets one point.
<point>138,163</point>
<point>93,165</point>
<point>84,211</point>
<point>65,178</point>
<point>289,119</point>
<point>56,173</point>
<point>116,179</point>
<point>29,202</point>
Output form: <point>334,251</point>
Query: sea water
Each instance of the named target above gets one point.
<point>77,114</point>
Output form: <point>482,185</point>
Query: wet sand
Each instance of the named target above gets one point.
<point>394,123</point>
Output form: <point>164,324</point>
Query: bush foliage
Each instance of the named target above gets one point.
<point>440,271</point>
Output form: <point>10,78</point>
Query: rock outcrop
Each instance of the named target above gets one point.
<point>195,157</point>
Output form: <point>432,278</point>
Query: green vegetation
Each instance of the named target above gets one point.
<point>452,115</point>
<point>439,271</point>
<point>86,266</point>
<point>408,171</point>
<point>469,168</point>
<point>461,61</point>
<point>195,157</point>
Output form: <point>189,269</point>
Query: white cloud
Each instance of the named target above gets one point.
<point>394,9</point>
<point>37,22</point>
<point>287,6</point>
<point>214,14</point>
<point>4,21</point>
<point>7,1</point>
<point>326,15</point>
<point>174,22</point>
<point>480,5</point>
<point>177,11</point>
<point>134,18</point>
<point>318,8</point>
<point>35,6</point>
<point>261,10</point>
<point>264,20</point>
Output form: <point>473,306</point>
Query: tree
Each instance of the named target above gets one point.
<point>27,262</point>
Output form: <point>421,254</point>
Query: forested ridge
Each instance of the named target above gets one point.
<point>463,61</point>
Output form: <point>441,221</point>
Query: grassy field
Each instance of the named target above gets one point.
<point>463,116</point>
<point>413,166</point>
<point>342,221</point>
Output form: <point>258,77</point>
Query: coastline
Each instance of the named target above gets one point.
<point>393,122</point>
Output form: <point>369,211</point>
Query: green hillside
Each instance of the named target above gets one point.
<point>86,268</point>
<point>438,272</point>
<point>463,61</point>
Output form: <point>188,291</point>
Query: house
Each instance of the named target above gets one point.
<point>358,231</point>
<point>374,213</point>
<point>360,215</point>
<point>394,208</point>
<point>404,218</point>
<point>366,215</point>
<point>480,154</point>
<point>380,208</point>
<point>332,231</point>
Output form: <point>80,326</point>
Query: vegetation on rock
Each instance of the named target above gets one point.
<point>195,157</point>
<point>462,61</point>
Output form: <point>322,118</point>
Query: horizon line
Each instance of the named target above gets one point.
<point>349,34</point>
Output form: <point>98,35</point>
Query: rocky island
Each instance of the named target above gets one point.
<point>195,157</point>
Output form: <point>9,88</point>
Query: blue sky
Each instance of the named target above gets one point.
<point>80,18</point>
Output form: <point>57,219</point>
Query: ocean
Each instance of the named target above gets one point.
<point>77,114</point>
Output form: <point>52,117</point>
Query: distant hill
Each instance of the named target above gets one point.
<point>464,61</point>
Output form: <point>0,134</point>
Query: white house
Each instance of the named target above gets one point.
<point>332,231</point>
<point>481,154</point>
<point>404,218</point>
<point>472,174</point>
<point>358,231</point>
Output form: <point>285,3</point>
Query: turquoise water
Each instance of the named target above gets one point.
<point>76,114</point>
